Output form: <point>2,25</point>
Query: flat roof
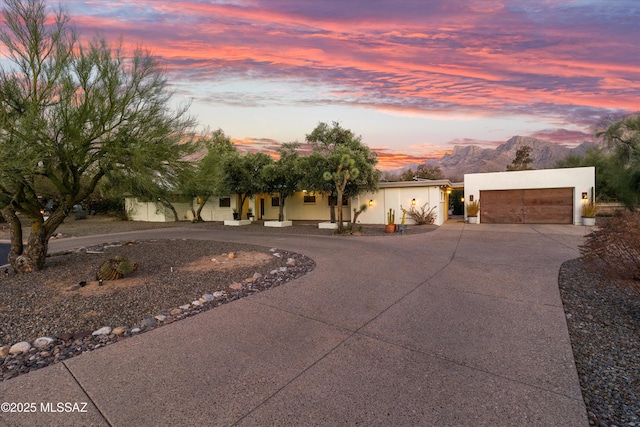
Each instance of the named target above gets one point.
<point>420,183</point>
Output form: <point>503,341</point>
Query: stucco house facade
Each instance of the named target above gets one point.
<point>518,197</point>
<point>546,196</point>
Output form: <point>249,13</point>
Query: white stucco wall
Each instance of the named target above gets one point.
<point>212,211</point>
<point>582,180</point>
<point>154,212</point>
<point>392,195</point>
<point>297,209</point>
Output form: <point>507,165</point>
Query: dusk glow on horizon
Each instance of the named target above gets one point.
<point>414,78</point>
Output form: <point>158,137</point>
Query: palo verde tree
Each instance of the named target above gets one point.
<point>283,177</point>
<point>345,166</point>
<point>71,115</point>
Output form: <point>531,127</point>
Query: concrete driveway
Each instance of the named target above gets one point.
<point>461,326</point>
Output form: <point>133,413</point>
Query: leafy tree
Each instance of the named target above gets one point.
<point>522,161</point>
<point>207,177</point>
<point>606,171</point>
<point>423,171</point>
<point>283,177</point>
<point>243,175</point>
<point>347,165</point>
<point>71,115</point>
<point>623,137</point>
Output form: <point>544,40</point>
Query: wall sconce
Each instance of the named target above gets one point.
<point>448,191</point>
<point>370,202</point>
<point>413,202</point>
<point>471,198</point>
<point>462,199</point>
<point>585,196</point>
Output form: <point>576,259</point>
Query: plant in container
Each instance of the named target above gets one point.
<point>403,227</point>
<point>391,222</point>
<point>473,208</point>
<point>236,215</point>
<point>589,211</point>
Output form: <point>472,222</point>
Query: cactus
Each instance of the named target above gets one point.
<point>391,217</point>
<point>116,268</point>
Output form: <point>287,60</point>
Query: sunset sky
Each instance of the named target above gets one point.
<point>414,78</point>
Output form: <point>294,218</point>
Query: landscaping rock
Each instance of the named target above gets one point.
<point>21,347</point>
<point>119,330</point>
<point>106,330</point>
<point>42,342</point>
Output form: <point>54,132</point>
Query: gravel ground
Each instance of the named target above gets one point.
<point>51,302</point>
<point>604,324</point>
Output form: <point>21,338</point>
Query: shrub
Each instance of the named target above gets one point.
<point>589,210</point>
<point>422,216</point>
<point>473,208</point>
<point>614,247</point>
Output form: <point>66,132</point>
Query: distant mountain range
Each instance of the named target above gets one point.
<point>474,159</point>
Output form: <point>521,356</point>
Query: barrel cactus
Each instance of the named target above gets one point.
<point>116,268</point>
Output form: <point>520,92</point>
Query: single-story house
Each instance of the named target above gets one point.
<point>305,205</point>
<point>519,197</point>
<point>546,196</point>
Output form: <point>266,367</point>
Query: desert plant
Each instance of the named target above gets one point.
<point>589,209</point>
<point>423,215</point>
<point>391,217</point>
<point>357,212</point>
<point>614,248</point>
<point>473,208</point>
<point>404,214</point>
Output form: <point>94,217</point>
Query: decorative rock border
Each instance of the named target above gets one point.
<point>23,357</point>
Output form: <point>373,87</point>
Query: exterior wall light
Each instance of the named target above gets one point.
<point>371,202</point>
<point>585,196</point>
<point>462,199</point>
<point>413,202</point>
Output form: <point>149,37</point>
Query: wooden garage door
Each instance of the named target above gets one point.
<point>534,206</point>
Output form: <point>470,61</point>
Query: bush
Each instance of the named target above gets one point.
<point>614,248</point>
<point>422,216</point>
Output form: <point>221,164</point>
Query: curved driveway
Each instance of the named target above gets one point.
<point>462,326</point>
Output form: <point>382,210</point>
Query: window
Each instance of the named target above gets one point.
<point>225,202</point>
<point>275,201</point>
<point>309,199</point>
<point>334,199</point>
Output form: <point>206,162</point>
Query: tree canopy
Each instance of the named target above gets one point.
<point>71,115</point>
<point>283,177</point>
<point>344,165</point>
<point>522,160</point>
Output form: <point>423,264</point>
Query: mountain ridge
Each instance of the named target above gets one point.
<point>474,159</point>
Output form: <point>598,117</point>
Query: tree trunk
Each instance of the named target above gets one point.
<point>340,225</point>
<point>200,206</point>
<point>281,209</point>
<point>25,259</point>
<point>169,206</point>
<point>193,211</point>
<point>332,210</point>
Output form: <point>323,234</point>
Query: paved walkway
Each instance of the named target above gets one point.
<point>463,326</point>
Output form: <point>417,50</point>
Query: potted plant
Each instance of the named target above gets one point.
<point>589,211</point>
<point>236,215</point>
<point>472,211</point>
<point>403,227</point>
<point>250,214</point>
<point>391,222</point>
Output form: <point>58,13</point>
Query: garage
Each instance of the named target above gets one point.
<point>527,206</point>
